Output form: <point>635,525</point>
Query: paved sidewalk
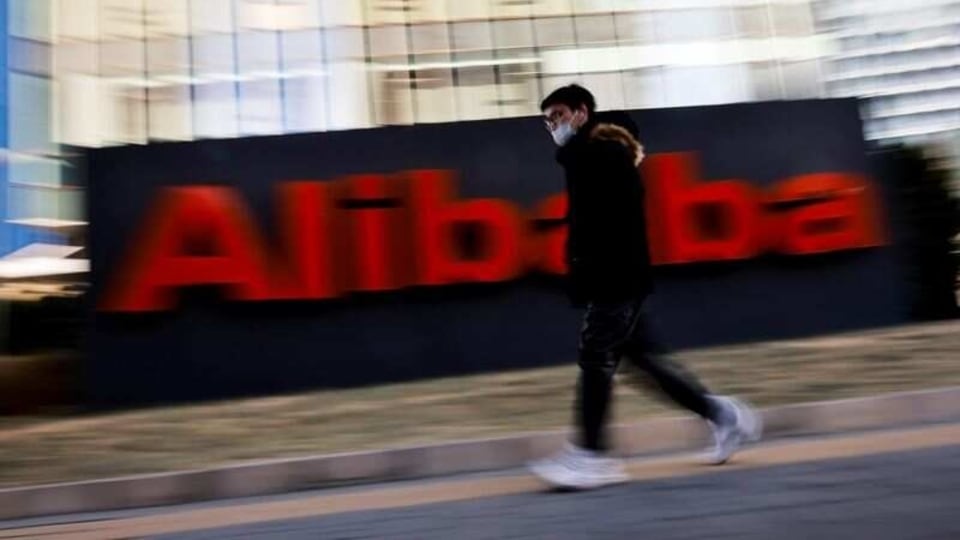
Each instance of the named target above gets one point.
<point>429,412</point>
<point>889,485</point>
<point>892,497</point>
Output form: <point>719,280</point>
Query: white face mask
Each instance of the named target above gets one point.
<point>563,133</point>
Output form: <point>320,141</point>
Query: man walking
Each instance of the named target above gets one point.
<point>610,275</point>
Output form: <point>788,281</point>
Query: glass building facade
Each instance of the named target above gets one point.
<point>33,196</point>
<point>904,57</point>
<point>134,71</point>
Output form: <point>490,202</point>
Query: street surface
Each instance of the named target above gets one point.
<point>892,485</point>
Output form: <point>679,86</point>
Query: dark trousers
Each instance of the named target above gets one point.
<point>615,330</point>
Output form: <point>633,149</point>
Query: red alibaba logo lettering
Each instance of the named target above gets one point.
<point>379,233</point>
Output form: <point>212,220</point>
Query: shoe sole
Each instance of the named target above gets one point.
<point>557,482</point>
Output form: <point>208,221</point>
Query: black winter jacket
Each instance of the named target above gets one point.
<point>607,249</point>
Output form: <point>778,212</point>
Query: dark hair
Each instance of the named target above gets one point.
<point>573,96</point>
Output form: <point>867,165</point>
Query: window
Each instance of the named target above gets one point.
<point>765,81</point>
<point>511,34</point>
<point>215,95</point>
<point>80,57</point>
<point>349,88</point>
<point>167,18</point>
<point>404,11</point>
<point>335,13</point>
<point>388,41</point>
<point>548,8</point>
<point>211,16</point>
<point>29,112</point>
<point>644,88</point>
<point>305,93</point>
<point>596,30</point>
<point>169,104</point>
<point>555,32</point>
<point>592,6</point>
<point>511,8</point>
<point>693,24</point>
<point>29,56</point>
<point>430,38</point>
<point>706,85</point>
<point>801,79</point>
<point>434,97</point>
<point>753,22</point>
<point>258,64</point>
<point>792,20</point>
<point>607,88</point>
<point>471,36</point>
<point>477,93</point>
<point>29,19</point>
<point>635,28</point>
<point>78,20</point>
<point>278,15</point>
<point>122,19</point>
<point>393,98</point>
<point>460,10</point>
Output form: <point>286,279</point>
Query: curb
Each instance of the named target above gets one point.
<point>286,475</point>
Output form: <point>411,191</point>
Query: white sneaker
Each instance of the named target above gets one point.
<point>738,423</point>
<point>577,468</point>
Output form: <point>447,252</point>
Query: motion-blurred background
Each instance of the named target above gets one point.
<point>82,74</point>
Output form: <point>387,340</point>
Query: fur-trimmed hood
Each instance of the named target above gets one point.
<point>606,131</point>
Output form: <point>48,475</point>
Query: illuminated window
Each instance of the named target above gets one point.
<point>511,8</point>
<point>635,28</point>
<point>434,93</point>
<point>801,79</point>
<point>461,10</point>
<point>349,88</point>
<point>305,92</point>
<point>549,8</point>
<point>555,32</point>
<point>596,30</point>
<point>693,24</point>
<point>592,6</point>
<point>215,94</point>
<point>704,85</point>
<point>792,19</point>
<point>78,20</point>
<point>335,13</point>
<point>644,88</point>
<point>122,20</point>
<point>124,88</point>
<point>607,88</point>
<point>278,15</point>
<point>211,16</point>
<point>29,19</point>
<point>477,92</point>
<point>29,117</point>
<point>753,22</point>
<point>258,65</point>
<point>390,49</point>
<point>765,82</point>
<point>168,97</point>
<point>167,18</point>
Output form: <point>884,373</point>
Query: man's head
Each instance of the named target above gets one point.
<point>565,110</point>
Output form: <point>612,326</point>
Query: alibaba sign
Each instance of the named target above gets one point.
<point>379,233</point>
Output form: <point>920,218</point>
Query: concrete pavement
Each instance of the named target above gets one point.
<point>913,495</point>
<point>445,459</point>
<point>878,485</point>
<point>900,496</point>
